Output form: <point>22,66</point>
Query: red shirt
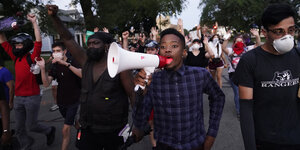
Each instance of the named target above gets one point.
<point>25,84</point>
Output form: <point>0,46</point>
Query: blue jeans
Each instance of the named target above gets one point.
<point>26,113</point>
<point>236,94</point>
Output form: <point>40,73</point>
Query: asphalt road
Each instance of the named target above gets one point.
<point>229,136</point>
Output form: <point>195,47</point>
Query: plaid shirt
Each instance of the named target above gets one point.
<point>177,100</point>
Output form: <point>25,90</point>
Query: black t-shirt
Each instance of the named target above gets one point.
<point>275,83</point>
<point>198,61</point>
<point>69,84</point>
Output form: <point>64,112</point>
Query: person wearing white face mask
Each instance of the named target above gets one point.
<point>198,54</point>
<point>216,63</point>
<point>68,75</point>
<point>268,80</point>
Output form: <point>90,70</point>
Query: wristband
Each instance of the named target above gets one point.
<point>68,65</point>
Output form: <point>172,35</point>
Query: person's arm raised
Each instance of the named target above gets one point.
<point>224,47</point>
<point>210,53</point>
<point>45,78</point>
<point>76,50</point>
<point>36,28</point>
<point>2,37</point>
<point>198,31</point>
<point>255,32</point>
<point>125,36</point>
<point>180,25</point>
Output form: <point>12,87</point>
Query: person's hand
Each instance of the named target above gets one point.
<point>105,30</point>
<point>226,66</point>
<point>52,10</point>
<point>96,29</point>
<point>180,22</point>
<point>11,105</point>
<point>142,38</point>
<point>216,24</point>
<point>254,32</point>
<point>227,35</point>
<point>6,138</point>
<point>49,60</point>
<point>125,35</point>
<point>141,78</point>
<point>138,134</point>
<point>187,39</point>
<point>2,37</point>
<point>208,143</point>
<point>198,27</point>
<point>59,61</point>
<point>31,18</point>
<point>205,40</point>
<point>154,31</point>
<point>40,62</point>
<point>77,124</point>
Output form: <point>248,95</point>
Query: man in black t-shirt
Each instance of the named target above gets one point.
<point>268,80</point>
<point>68,75</point>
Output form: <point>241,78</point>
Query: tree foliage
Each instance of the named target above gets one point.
<point>119,16</point>
<point>238,14</point>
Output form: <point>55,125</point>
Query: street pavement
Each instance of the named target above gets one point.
<point>229,136</point>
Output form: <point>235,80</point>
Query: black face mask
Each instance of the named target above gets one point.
<point>95,54</point>
<point>19,52</point>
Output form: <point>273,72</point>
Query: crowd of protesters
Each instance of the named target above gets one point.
<point>264,78</point>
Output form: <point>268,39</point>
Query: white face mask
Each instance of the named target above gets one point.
<point>195,46</point>
<point>284,44</point>
<point>58,55</point>
<point>215,40</point>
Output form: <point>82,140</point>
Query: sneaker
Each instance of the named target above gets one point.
<point>51,136</point>
<point>54,107</point>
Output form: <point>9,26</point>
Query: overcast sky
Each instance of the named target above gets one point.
<point>190,14</point>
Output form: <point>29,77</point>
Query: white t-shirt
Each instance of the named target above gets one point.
<point>231,52</point>
<point>214,49</point>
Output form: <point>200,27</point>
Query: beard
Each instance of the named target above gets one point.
<point>19,52</point>
<point>95,54</point>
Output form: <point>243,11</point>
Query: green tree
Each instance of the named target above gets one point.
<point>238,14</point>
<point>119,16</point>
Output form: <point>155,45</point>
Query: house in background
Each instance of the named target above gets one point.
<point>73,21</point>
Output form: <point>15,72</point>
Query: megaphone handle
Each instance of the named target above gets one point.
<point>136,88</point>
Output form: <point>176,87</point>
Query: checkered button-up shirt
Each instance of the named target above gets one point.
<point>177,100</point>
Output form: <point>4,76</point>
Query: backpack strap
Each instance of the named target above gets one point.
<point>28,58</point>
<point>29,61</point>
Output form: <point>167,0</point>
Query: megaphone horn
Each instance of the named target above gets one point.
<point>119,60</point>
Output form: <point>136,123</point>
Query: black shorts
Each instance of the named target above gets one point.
<point>68,112</point>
